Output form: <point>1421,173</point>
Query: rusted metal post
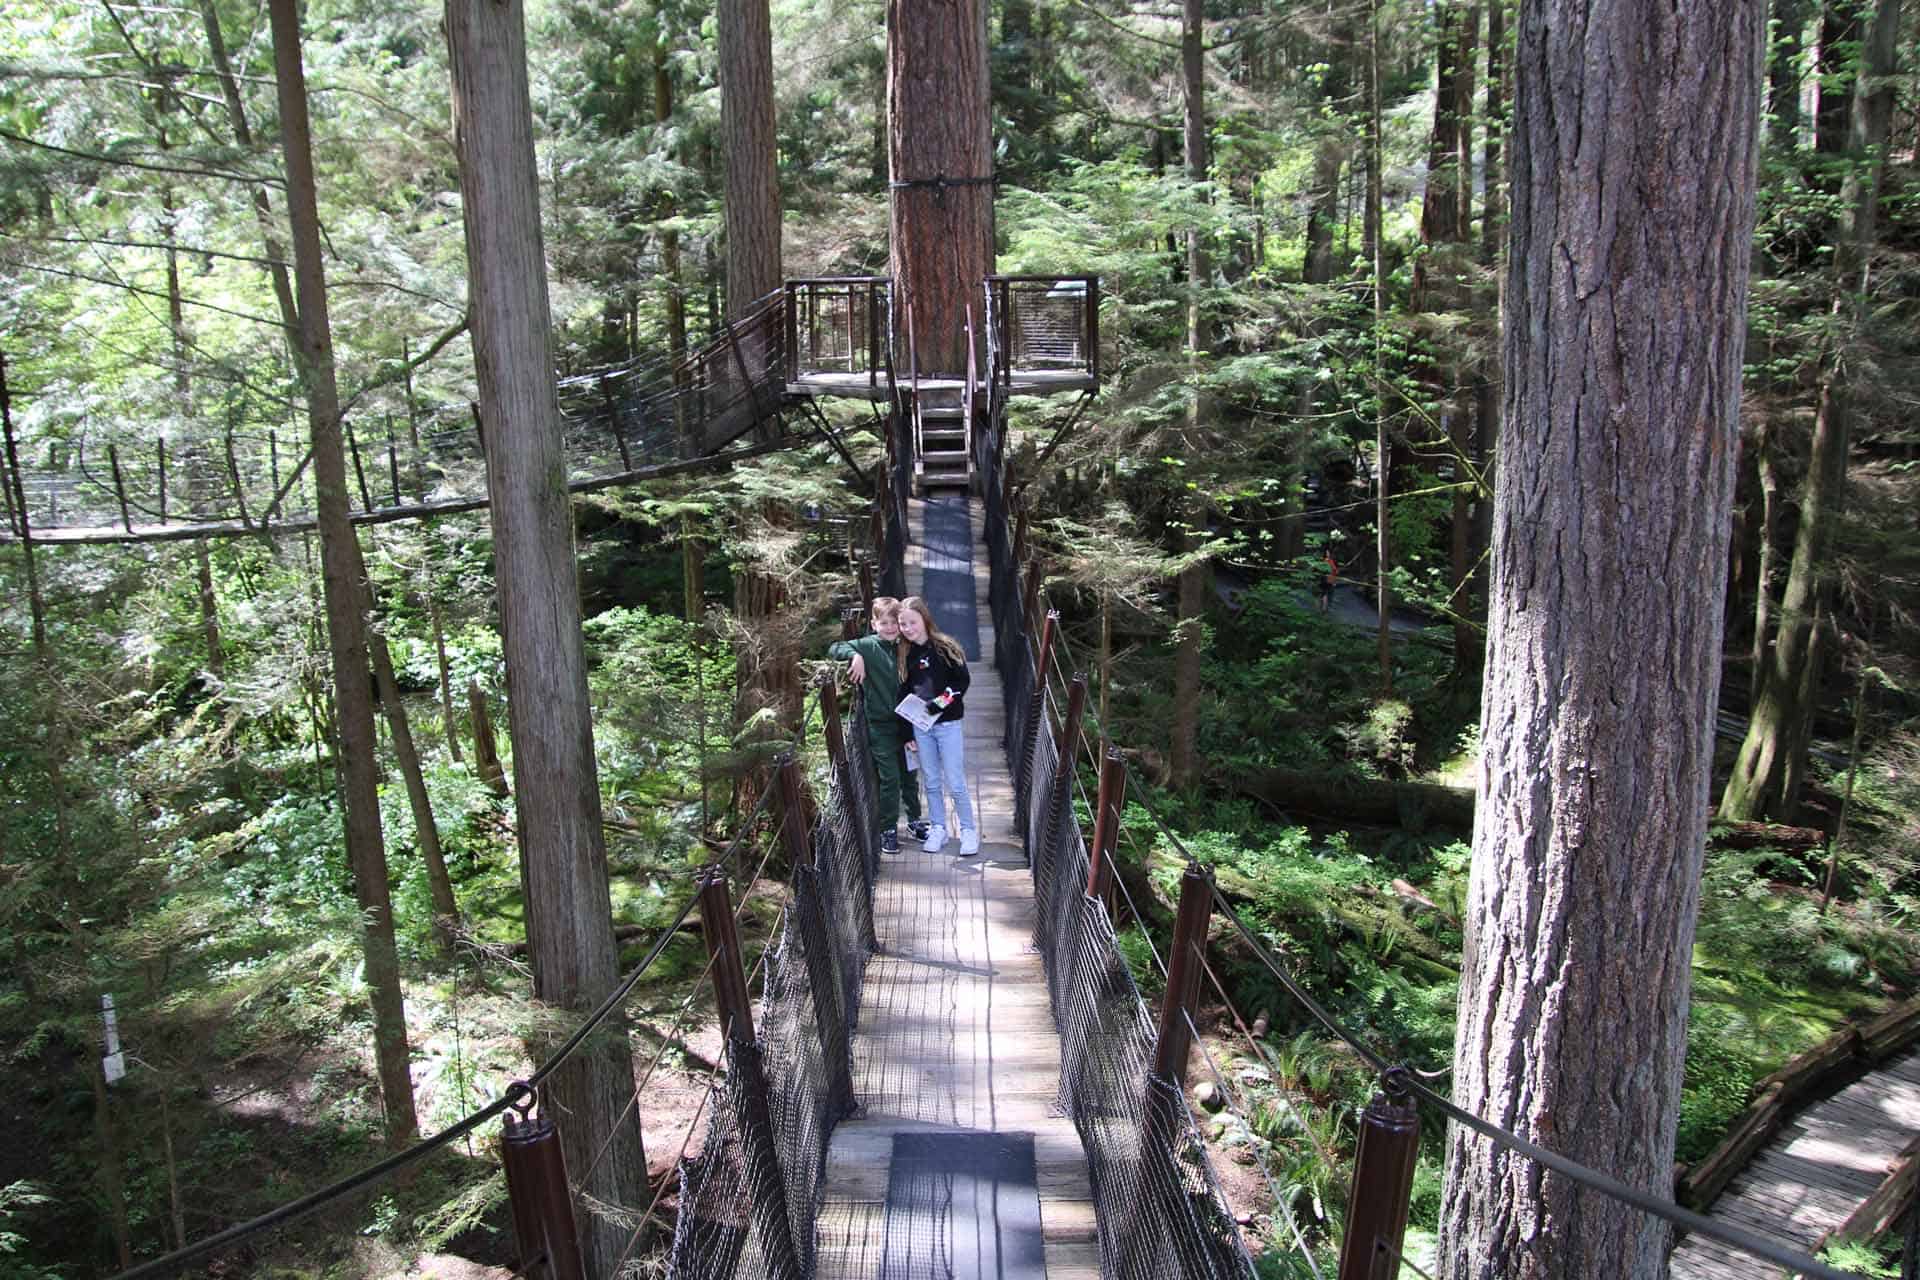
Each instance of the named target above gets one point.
<point>723,948</point>
<point>119,487</point>
<point>1382,1188</point>
<point>542,1205</point>
<point>1106,823</point>
<point>850,622</point>
<point>1060,802</point>
<point>1184,968</point>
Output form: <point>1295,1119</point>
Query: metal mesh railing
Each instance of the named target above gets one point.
<point>750,1197</point>
<point>1160,1212</point>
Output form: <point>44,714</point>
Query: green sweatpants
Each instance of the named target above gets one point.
<point>897,786</point>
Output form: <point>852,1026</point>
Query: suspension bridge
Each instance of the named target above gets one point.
<point>949,1072</point>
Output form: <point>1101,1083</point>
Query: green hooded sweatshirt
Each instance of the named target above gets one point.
<point>882,684</point>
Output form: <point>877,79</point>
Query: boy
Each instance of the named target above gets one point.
<point>876,670</point>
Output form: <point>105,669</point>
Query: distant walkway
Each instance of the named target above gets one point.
<point>959,1166</point>
<point>1817,1171</point>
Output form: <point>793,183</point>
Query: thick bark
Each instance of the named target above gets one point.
<point>1770,771</point>
<point>940,163</point>
<point>563,864</point>
<point>1624,337</point>
<point>753,184</point>
<point>343,577</point>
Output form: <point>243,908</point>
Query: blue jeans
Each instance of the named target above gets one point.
<point>943,767</point>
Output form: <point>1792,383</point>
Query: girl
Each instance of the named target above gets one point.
<point>933,668</point>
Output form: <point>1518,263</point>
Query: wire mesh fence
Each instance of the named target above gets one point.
<point>750,1197</point>
<point>1160,1211</point>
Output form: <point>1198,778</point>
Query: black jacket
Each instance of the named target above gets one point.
<point>929,675</point>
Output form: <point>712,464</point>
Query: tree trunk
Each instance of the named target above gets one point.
<point>940,160</point>
<point>1624,337</point>
<point>1771,768</point>
<point>343,577</point>
<point>446,912</point>
<point>745,34</point>
<point>1763,574</point>
<point>1182,764</point>
<point>1784,71</point>
<point>486,751</point>
<point>447,720</point>
<point>1383,445</point>
<point>563,862</point>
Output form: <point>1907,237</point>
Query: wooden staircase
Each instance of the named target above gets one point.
<point>942,457</point>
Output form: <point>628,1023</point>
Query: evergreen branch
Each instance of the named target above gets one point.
<point>98,158</point>
<point>1126,30</point>
<point>151,293</point>
<point>433,349</point>
<point>144,244</point>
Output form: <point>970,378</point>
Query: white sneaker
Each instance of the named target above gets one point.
<point>935,839</point>
<point>969,842</point>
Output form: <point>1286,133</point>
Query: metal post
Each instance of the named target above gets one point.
<point>1093,328</point>
<point>723,948</point>
<point>542,1204</point>
<point>866,580</point>
<point>1106,823</point>
<point>1183,975</point>
<point>1382,1188</point>
<point>393,461</point>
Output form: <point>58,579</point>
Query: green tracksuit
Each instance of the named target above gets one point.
<point>887,734</point>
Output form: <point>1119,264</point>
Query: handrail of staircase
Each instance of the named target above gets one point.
<point>966,398</point>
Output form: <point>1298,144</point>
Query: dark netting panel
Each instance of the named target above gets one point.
<point>1160,1212</point>
<point>749,1200</point>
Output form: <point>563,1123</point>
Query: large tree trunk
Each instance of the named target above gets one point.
<point>563,863</point>
<point>753,184</point>
<point>1624,336</point>
<point>343,576</point>
<point>1771,768</point>
<point>940,160</point>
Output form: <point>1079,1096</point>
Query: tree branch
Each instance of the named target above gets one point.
<point>98,158</point>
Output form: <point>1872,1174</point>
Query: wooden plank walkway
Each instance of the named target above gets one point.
<point>1816,1172</point>
<point>955,1030</point>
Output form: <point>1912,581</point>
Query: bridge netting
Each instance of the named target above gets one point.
<point>1160,1209</point>
<point>749,1199</point>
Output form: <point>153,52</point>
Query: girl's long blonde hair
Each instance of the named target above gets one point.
<point>937,640</point>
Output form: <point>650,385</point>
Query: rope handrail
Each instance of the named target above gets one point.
<point>1403,1078</point>
<point>514,1096</point>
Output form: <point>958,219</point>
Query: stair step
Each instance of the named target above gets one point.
<point>949,413</point>
<point>946,433</point>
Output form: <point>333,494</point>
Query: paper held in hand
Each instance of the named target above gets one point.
<point>914,711</point>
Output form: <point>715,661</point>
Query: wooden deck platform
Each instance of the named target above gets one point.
<point>955,1030</point>
<point>1816,1172</point>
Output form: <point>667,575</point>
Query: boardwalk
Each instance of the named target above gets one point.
<point>956,1040</point>
<point>1816,1172</point>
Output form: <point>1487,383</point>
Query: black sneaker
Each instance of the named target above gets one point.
<point>919,827</point>
<point>889,842</point>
